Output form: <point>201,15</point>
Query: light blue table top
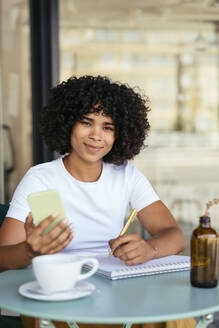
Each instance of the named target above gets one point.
<point>142,299</point>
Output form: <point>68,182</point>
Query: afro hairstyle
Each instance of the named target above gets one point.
<point>70,100</point>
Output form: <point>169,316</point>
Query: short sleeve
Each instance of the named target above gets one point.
<point>19,208</point>
<point>142,193</point>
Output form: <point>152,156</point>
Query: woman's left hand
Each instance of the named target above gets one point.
<point>132,249</point>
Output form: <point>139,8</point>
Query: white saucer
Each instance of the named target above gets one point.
<point>32,290</point>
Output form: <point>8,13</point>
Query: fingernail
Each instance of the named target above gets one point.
<point>54,215</point>
<point>65,221</point>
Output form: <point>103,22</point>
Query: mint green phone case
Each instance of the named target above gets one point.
<point>45,203</point>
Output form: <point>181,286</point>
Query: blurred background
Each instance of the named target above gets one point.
<point>168,50</point>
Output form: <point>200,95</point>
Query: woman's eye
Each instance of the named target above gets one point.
<point>108,128</point>
<point>85,123</point>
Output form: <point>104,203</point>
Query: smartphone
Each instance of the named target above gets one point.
<point>45,203</point>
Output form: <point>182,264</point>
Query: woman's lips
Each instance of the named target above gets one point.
<point>93,149</point>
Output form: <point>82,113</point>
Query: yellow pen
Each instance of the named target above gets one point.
<point>129,221</point>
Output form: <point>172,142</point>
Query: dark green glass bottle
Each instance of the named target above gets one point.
<point>204,255</point>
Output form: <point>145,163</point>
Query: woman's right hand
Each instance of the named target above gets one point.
<point>54,241</point>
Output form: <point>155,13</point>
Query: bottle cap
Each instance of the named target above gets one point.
<point>205,219</point>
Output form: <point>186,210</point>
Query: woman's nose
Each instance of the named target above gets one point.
<point>95,134</point>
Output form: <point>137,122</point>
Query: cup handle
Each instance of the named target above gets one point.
<point>91,271</point>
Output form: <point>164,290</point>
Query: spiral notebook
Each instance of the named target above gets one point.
<point>113,268</point>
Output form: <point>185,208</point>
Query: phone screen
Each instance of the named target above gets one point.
<point>45,203</point>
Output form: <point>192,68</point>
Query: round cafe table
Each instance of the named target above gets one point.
<point>156,298</point>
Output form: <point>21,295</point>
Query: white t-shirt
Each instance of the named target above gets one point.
<point>96,209</point>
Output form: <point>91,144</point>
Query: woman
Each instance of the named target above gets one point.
<point>97,126</point>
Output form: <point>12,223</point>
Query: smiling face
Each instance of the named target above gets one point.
<point>92,137</point>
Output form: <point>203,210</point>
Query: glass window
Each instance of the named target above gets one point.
<point>15,109</point>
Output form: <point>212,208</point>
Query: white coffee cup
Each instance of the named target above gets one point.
<point>60,272</point>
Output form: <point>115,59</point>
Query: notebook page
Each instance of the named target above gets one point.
<point>113,266</point>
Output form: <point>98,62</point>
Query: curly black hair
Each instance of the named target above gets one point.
<point>70,100</point>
